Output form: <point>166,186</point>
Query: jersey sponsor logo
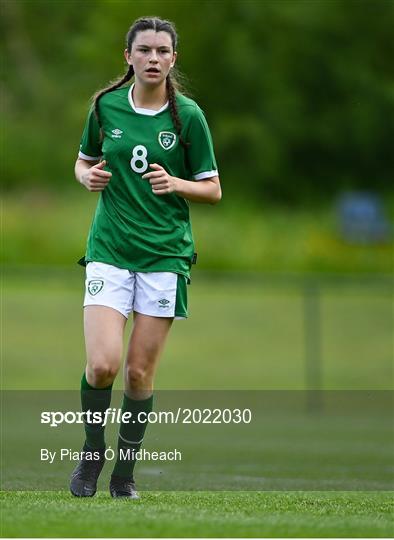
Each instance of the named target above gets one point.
<point>95,286</point>
<point>116,133</point>
<point>163,303</point>
<point>167,139</point>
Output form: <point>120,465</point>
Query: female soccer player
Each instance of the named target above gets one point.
<point>147,149</point>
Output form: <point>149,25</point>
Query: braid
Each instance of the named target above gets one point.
<point>171,91</point>
<point>116,84</point>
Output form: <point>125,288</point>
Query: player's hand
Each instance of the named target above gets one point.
<point>95,178</point>
<point>161,182</point>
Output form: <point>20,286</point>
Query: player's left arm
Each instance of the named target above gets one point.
<point>202,191</point>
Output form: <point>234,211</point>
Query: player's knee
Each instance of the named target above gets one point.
<point>137,377</point>
<point>101,374</point>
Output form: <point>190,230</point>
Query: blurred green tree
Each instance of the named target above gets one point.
<point>298,93</point>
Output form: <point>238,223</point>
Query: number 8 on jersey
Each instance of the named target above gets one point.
<point>139,156</point>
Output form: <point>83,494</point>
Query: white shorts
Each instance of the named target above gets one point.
<point>158,294</point>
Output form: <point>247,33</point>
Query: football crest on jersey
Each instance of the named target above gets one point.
<point>167,139</point>
<point>95,286</point>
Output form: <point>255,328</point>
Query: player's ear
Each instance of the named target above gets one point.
<point>127,57</point>
<point>174,59</point>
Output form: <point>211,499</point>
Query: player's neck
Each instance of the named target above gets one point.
<point>149,97</point>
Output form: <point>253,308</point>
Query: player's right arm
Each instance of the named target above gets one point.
<point>91,174</point>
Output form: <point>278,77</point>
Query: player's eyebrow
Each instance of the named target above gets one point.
<point>142,46</point>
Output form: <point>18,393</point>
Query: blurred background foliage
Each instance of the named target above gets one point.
<point>299,94</point>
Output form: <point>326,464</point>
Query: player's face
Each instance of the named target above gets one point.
<point>151,56</point>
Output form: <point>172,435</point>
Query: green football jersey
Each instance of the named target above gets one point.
<point>132,228</point>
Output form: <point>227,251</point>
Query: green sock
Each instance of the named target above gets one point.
<point>131,434</point>
<point>94,399</point>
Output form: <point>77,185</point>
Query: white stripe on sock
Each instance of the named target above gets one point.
<point>130,442</point>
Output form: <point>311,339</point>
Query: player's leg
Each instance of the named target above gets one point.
<point>108,298</point>
<point>107,303</point>
<point>146,345</point>
<point>159,298</point>
<point>104,329</point>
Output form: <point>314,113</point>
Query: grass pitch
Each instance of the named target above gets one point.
<point>196,514</point>
<point>243,336</point>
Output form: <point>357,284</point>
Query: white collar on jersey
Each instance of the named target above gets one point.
<point>141,110</point>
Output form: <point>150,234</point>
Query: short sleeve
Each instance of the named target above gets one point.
<point>90,147</point>
<point>200,153</point>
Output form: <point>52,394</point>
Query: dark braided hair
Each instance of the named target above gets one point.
<point>171,91</point>
<point>173,85</point>
<point>113,86</point>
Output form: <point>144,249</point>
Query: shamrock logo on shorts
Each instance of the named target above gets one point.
<point>95,286</point>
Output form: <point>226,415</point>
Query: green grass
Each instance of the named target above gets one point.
<point>242,334</point>
<point>179,514</point>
